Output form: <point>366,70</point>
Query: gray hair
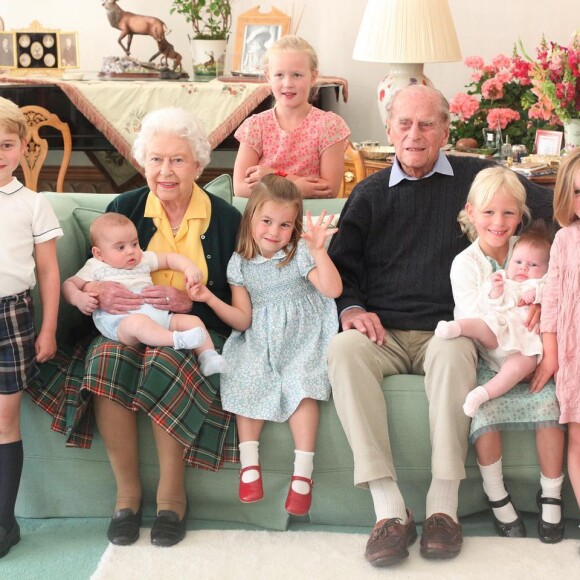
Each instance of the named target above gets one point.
<point>429,92</point>
<point>173,121</point>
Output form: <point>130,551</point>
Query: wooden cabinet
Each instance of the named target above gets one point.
<point>370,166</point>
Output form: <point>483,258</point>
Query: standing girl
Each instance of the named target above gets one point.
<point>495,207</point>
<point>294,138</point>
<point>28,232</point>
<point>560,324</point>
<point>283,318</point>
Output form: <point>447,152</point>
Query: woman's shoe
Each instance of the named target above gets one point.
<point>550,533</point>
<point>515,529</point>
<point>124,526</point>
<point>168,529</point>
<point>298,504</point>
<point>254,490</point>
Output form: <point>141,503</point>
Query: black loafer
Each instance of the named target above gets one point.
<point>124,526</point>
<point>168,529</point>
<point>515,529</point>
<point>547,532</point>
<point>9,539</point>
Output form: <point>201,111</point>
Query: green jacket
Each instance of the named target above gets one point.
<point>218,242</point>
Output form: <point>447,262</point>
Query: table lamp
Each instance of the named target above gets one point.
<point>405,34</point>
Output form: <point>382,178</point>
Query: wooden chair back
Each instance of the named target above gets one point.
<point>355,157</point>
<point>37,149</point>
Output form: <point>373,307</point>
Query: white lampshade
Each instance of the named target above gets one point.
<point>406,33</point>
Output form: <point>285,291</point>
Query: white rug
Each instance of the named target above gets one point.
<point>250,555</point>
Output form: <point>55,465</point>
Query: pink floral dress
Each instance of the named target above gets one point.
<point>298,151</point>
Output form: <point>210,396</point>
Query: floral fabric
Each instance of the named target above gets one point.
<point>296,152</point>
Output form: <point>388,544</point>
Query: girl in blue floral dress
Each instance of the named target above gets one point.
<point>283,315</point>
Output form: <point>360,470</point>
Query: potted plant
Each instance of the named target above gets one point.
<point>211,21</point>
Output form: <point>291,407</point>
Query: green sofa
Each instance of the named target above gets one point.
<point>65,482</point>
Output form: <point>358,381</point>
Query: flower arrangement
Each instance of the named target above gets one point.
<point>555,78</point>
<point>499,95</point>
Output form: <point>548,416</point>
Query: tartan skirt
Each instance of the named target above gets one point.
<point>162,382</point>
<point>17,353</point>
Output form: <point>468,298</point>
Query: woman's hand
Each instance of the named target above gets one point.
<point>366,322</point>
<point>167,298</point>
<point>113,297</point>
<point>317,233</point>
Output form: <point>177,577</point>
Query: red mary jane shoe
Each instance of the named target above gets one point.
<point>253,491</point>
<point>298,504</point>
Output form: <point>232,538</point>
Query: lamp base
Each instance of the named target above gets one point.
<point>400,75</point>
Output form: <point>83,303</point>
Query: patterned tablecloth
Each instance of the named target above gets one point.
<point>117,107</point>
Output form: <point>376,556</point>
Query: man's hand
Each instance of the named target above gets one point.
<point>366,322</point>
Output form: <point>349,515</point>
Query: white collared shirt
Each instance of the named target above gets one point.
<point>442,166</point>
<point>26,219</point>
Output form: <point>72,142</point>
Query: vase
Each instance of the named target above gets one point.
<point>208,58</point>
<point>572,133</point>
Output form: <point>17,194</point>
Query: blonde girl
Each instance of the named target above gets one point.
<point>495,208</point>
<point>560,322</point>
<point>284,316</point>
<point>294,139</point>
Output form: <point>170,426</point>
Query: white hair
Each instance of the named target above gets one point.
<point>173,121</point>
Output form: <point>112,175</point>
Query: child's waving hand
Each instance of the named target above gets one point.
<point>317,233</point>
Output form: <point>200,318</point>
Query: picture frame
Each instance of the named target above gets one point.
<point>36,50</point>
<point>548,142</point>
<point>7,50</point>
<point>255,32</point>
<point>68,50</point>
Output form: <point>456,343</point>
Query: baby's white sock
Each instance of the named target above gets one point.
<point>188,339</point>
<point>210,363</point>
<point>303,466</point>
<point>448,329</point>
<point>249,456</point>
<point>474,400</point>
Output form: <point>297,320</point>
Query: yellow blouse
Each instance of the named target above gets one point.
<point>187,241</point>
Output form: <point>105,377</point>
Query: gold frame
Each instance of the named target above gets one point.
<point>62,37</point>
<point>548,142</point>
<point>12,36</point>
<point>36,51</point>
<point>275,22</point>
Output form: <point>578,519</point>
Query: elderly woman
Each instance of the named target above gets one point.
<point>172,214</point>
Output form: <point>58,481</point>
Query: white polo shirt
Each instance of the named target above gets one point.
<point>26,219</point>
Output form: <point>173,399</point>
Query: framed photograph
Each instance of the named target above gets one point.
<point>255,33</point>
<point>7,50</point>
<point>68,50</point>
<point>548,142</point>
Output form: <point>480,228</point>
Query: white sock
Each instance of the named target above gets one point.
<point>442,498</point>
<point>495,490</point>
<point>551,488</point>
<point>210,363</point>
<point>474,400</point>
<point>188,339</point>
<point>447,329</point>
<point>387,499</point>
<point>303,466</point>
<point>249,456</point>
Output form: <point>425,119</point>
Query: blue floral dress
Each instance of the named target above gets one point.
<point>281,358</point>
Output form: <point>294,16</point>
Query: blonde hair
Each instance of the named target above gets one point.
<point>104,221</point>
<point>12,119</point>
<point>291,43</point>
<point>485,185</point>
<point>564,189</point>
<point>278,190</point>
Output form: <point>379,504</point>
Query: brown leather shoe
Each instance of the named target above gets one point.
<point>441,538</point>
<point>389,541</point>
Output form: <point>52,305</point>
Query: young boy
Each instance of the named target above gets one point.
<point>117,257</point>
<point>28,233</point>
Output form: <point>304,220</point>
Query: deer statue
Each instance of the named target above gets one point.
<point>166,50</point>
<point>130,24</point>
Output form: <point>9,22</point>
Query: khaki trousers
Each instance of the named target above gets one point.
<point>356,368</point>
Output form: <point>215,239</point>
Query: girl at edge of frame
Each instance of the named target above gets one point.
<point>284,316</point>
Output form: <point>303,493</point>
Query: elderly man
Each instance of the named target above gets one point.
<point>398,235</point>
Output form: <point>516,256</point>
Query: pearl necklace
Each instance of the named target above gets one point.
<point>175,229</point>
